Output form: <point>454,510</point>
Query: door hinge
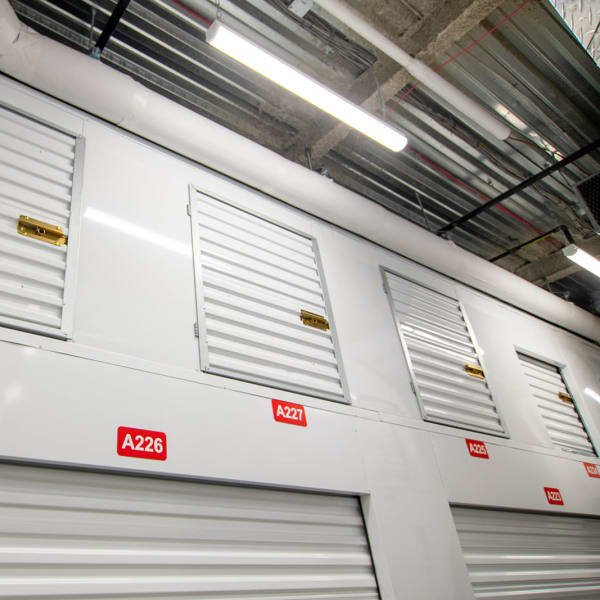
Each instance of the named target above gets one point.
<point>188,209</point>
<point>413,388</point>
<point>196,330</point>
<point>52,234</point>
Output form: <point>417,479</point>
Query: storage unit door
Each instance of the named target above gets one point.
<point>254,278</point>
<point>38,180</point>
<point>530,556</point>
<point>563,423</point>
<point>444,364</point>
<point>73,534</point>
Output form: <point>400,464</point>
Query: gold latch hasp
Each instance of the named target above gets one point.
<point>52,234</point>
<point>474,371</point>
<point>313,320</point>
<point>564,397</point>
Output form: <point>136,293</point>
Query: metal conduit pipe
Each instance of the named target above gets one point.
<point>428,77</point>
<point>107,93</point>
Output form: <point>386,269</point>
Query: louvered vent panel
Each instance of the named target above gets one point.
<point>36,180</point>
<point>253,279</point>
<point>560,416</point>
<point>77,535</point>
<point>438,346</point>
<point>529,556</point>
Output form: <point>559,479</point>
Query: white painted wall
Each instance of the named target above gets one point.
<point>134,361</point>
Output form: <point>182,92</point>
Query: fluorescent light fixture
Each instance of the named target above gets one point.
<point>582,258</point>
<point>273,68</point>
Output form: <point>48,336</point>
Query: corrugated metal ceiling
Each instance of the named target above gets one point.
<point>531,70</point>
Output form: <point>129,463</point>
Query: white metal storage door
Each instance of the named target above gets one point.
<point>253,278</point>
<point>556,405</point>
<point>37,171</point>
<point>529,556</point>
<point>76,534</point>
<point>439,349</point>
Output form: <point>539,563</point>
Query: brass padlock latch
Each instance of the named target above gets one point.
<point>474,371</point>
<point>52,234</point>
<point>566,398</point>
<point>314,320</point>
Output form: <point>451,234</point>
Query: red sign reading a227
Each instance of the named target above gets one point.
<point>141,443</point>
<point>288,412</point>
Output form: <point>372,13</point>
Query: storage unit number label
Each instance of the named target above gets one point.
<point>288,412</point>
<point>553,496</point>
<point>477,449</point>
<point>141,443</point>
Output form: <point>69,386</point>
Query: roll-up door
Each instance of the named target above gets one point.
<point>556,405</point>
<point>530,556</point>
<point>73,534</point>
<point>443,360</point>
<point>254,279</point>
<point>38,180</point>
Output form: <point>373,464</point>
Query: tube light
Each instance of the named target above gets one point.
<point>582,258</point>
<point>273,68</point>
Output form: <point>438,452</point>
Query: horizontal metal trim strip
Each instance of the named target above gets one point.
<point>286,331</point>
<point>15,311</point>
<point>222,229</point>
<point>271,356</point>
<point>46,277</point>
<point>247,276</point>
<point>421,321</point>
<point>247,222</point>
<point>429,346</point>
<point>270,374</point>
<point>244,248</point>
<point>269,341</point>
<point>37,134</point>
<point>31,182</point>
<point>275,273</point>
<point>249,292</point>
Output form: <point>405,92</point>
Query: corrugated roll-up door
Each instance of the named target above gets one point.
<point>442,357</point>
<point>73,534</point>
<point>37,180</point>
<point>253,279</point>
<point>530,556</point>
<point>558,410</point>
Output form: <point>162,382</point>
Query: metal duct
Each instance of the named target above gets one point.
<point>98,89</point>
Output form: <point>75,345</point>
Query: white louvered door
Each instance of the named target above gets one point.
<point>38,179</point>
<point>74,534</point>
<point>253,278</point>
<point>438,346</point>
<point>530,556</point>
<point>558,410</point>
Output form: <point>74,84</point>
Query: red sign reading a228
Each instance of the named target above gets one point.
<point>141,443</point>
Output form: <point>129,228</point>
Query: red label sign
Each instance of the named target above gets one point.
<point>477,449</point>
<point>141,443</point>
<point>592,469</point>
<point>288,412</point>
<point>553,496</point>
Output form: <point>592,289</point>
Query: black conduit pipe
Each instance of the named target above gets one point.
<point>521,186</point>
<point>109,28</point>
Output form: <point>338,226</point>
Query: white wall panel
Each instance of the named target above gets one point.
<point>69,533</point>
<point>527,556</point>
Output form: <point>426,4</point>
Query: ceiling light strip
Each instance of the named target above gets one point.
<point>271,67</point>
